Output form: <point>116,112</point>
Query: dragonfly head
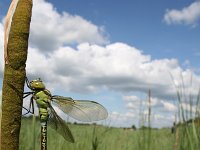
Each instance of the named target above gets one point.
<point>37,84</point>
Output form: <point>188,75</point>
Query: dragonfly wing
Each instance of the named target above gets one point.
<point>59,125</point>
<point>82,110</point>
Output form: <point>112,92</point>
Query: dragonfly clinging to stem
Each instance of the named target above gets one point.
<point>82,110</point>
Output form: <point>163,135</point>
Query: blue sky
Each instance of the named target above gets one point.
<point>141,24</point>
<point>113,52</point>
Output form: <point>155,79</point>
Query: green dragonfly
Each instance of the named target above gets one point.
<point>82,110</point>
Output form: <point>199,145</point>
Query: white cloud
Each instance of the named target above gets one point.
<point>190,108</point>
<point>122,119</point>
<point>123,116</point>
<point>115,66</point>
<point>160,120</point>
<point>137,104</point>
<point>127,119</point>
<point>162,111</point>
<point>188,15</point>
<point>131,98</point>
<point>50,29</point>
<point>91,67</point>
<point>169,106</point>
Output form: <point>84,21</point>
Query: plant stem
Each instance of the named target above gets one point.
<point>14,75</point>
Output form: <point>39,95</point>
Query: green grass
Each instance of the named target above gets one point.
<point>0,113</point>
<point>94,137</point>
<point>188,132</point>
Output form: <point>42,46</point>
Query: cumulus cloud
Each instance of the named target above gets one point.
<point>50,29</point>
<point>162,111</point>
<point>116,66</point>
<point>169,106</point>
<point>140,117</point>
<point>160,120</point>
<point>137,104</point>
<point>88,67</point>
<point>187,15</point>
<point>122,119</point>
<point>190,108</point>
<point>92,65</point>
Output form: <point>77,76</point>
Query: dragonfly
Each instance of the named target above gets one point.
<point>82,110</point>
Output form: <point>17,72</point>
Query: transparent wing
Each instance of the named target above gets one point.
<point>59,125</point>
<point>82,110</point>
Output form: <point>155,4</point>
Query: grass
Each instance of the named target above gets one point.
<point>0,110</point>
<point>0,117</point>
<point>188,129</point>
<point>94,137</point>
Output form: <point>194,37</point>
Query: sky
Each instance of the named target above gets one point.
<point>114,52</point>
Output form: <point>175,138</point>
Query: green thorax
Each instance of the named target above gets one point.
<point>42,98</point>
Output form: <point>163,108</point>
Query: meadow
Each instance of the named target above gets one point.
<point>96,137</point>
<point>99,137</point>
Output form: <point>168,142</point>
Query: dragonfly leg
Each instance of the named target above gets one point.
<point>26,94</point>
<point>31,106</point>
<point>27,83</point>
